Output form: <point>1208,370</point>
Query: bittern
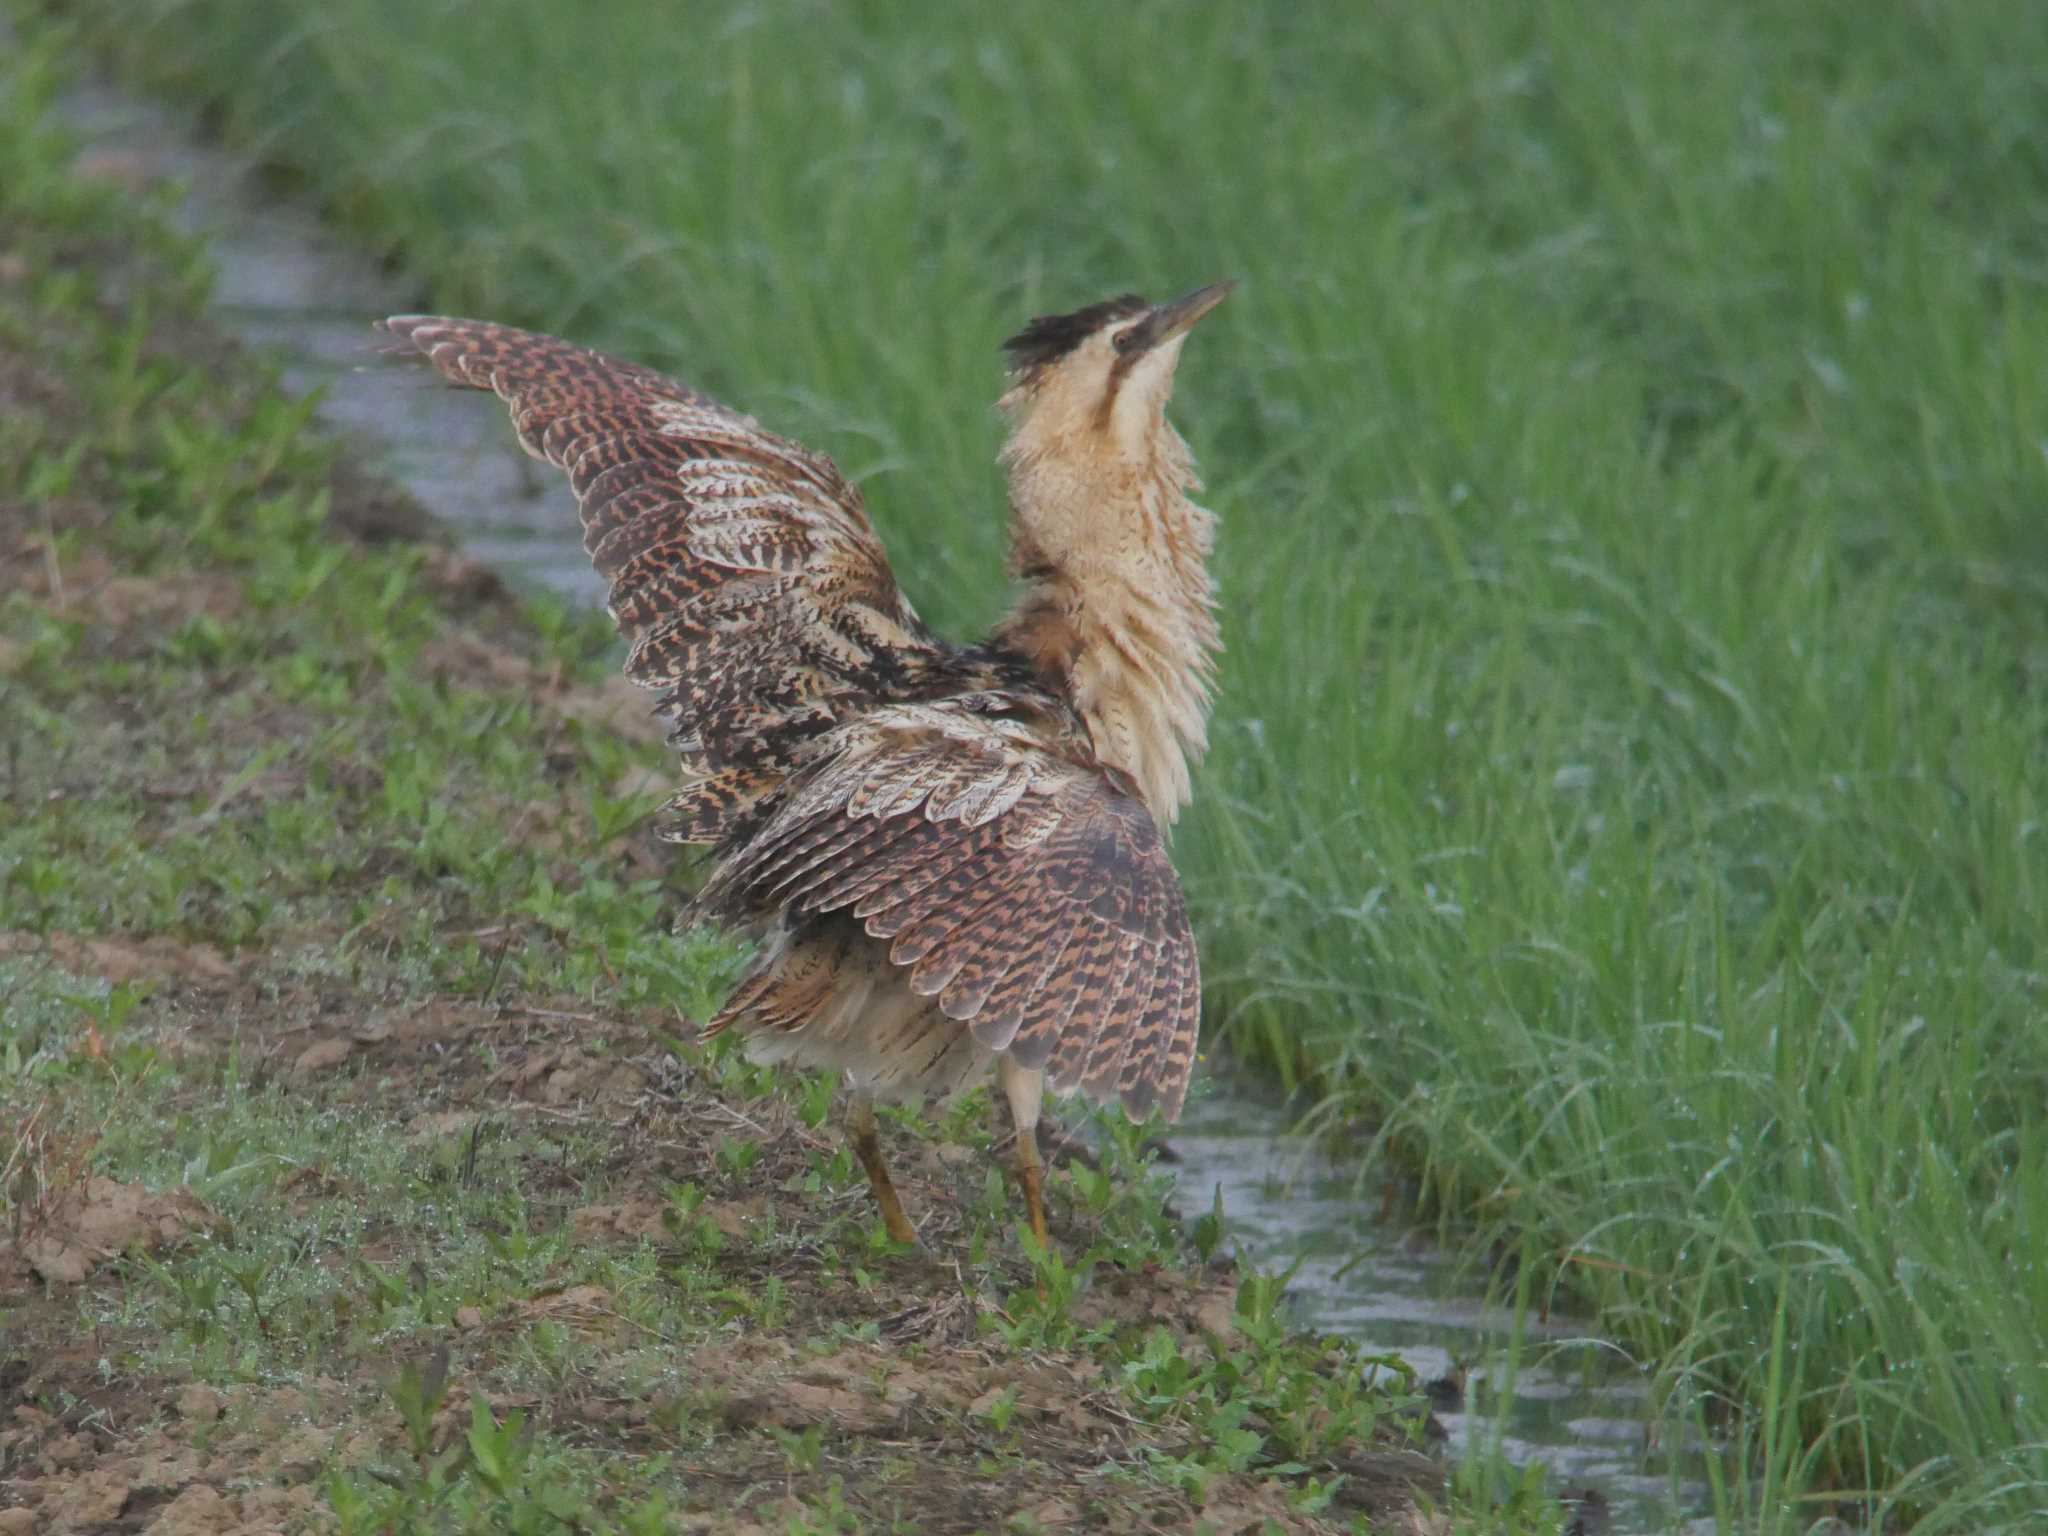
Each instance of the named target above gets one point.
<point>952,854</point>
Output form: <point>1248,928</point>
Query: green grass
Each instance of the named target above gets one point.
<point>1629,442</point>
<point>322,904</point>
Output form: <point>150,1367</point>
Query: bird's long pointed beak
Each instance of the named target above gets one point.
<point>1167,321</point>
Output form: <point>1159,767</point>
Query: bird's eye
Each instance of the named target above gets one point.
<point>1126,338</point>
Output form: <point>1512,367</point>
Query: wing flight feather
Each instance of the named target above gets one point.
<point>1030,895</point>
<point>745,575</point>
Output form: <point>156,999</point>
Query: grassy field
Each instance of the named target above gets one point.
<point>354,1176</point>
<point>1631,786</point>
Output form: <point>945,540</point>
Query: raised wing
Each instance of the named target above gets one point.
<point>1027,893</point>
<point>745,575</point>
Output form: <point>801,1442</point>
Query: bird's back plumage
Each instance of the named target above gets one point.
<point>942,867</point>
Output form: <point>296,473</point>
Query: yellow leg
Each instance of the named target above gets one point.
<point>1026,1092</point>
<point>1031,1179</point>
<point>867,1146</point>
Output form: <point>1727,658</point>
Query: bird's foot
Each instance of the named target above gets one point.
<point>895,1220</point>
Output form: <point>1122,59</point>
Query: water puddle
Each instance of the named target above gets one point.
<point>1577,1408</point>
<point>284,286</point>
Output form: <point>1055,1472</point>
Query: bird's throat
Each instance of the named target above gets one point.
<point>1129,638</point>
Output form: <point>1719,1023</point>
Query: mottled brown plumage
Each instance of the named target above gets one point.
<point>952,853</point>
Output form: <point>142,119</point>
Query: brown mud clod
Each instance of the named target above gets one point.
<point>102,1221</point>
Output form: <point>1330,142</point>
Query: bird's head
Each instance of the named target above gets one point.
<point>1093,385</point>
<point>1116,600</point>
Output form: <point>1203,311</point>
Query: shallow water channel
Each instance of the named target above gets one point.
<point>284,286</point>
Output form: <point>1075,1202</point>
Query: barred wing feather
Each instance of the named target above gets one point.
<point>745,575</point>
<point>1030,895</point>
<point>1023,888</point>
